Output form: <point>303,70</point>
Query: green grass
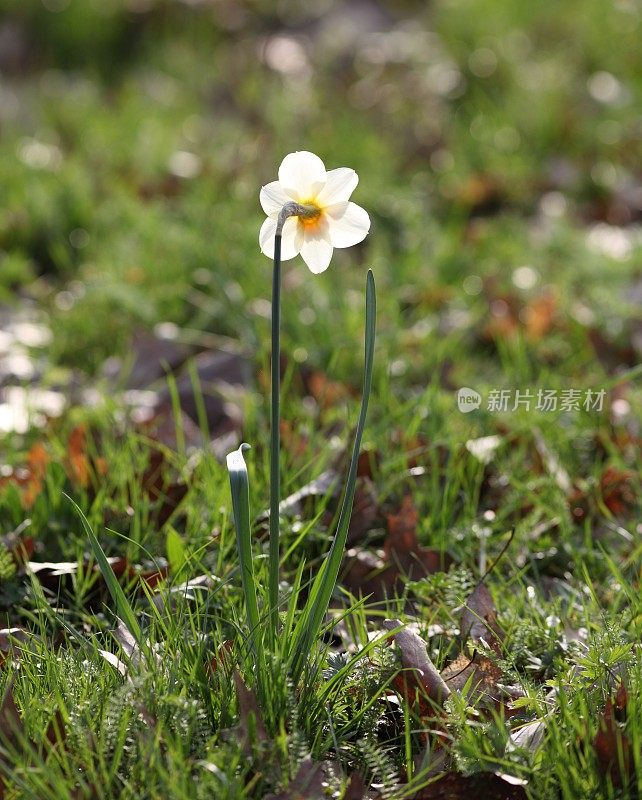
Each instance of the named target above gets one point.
<point>498,151</point>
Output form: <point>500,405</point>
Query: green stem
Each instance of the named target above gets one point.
<point>290,209</point>
<point>275,438</point>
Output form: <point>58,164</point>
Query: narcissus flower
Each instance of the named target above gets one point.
<point>327,218</point>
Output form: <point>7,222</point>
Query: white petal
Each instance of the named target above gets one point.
<point>348,224</point>
<point>302,175</point>
<point>273,198</point>
<point>339,186</point>
<point>290,243</point>
<point>317,248</point>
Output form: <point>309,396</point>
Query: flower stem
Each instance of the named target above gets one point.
<point>291,209</point>
<point>275,438</point>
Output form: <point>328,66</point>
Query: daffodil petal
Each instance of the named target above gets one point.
<point>273,198</point>
<point>348,224</point>
<point>291,240</point>
<point>302,175</point>
<point>339,186</point>
<point>316,249</point>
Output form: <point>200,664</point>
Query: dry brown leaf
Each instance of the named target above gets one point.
<point>485,675</point>
<point>402,547</point>
<point>618,492</point>
<point>159,485</point>
<point>356,788</point>
<point>309,783</point>
<point>21,547</point>
<point>302,503</point>
<point>378,575</point>
<point>479,618</point>
<point>486,785</point>
<point>250,729</point>
<point>539,316</point>
<point>77,459</point>
<point>56,732</point>
<point>11,641</point>
<point>11,730</point>
<point>29,478</point>
<point>326,392</point>
<point>420,679</point>
<point>612,746</point>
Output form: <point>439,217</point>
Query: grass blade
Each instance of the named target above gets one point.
<point>123,606</point>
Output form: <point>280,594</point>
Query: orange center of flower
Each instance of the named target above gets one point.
<point>312,216</point>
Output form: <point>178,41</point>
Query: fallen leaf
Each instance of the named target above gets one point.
<point>527,737</point>
<point>365,510</point>
<point>167,598</point>
<point>296,504</point>
<point>356,788</point>
<point>77,458</point>
<point>21,547</point>
<point>10,722</point>
<point>402,548</point>
<point>483,674</point>
<point>309,783</point>
<point>11,640</point>
<point>293,440</point>
<point>403,557</point>
<point>479,618</point>
<point>327,485</point>
<point>29,479</point>
<point>539,315</point>
<point>57,576</point>
<point>115,662</point>
<point>222,658</point>
<point>127,642</point>
<point>611,744</point>
<point>614,354</point>
<point>508,315</point>
<point>160,486</point>
<point>326,392</point>
<point>37,461</point>
<point>152,355</point>
<point>366,573</point>
<point>11,730</point>
<point>250,729</point>
<point>369,463</point>
<point>420,674</point>
<point>223,379</point>
<point>162,426</point>
<point>486,785</point>
<point>618,493</point>
<point>56,732</point>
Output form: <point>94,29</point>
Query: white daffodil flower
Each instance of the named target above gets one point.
<point>330,219</point>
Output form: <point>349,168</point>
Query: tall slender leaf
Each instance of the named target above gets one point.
<point>240,488</point>
<point>323,587</point>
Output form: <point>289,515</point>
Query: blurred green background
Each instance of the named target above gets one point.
<point>498,144</point>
